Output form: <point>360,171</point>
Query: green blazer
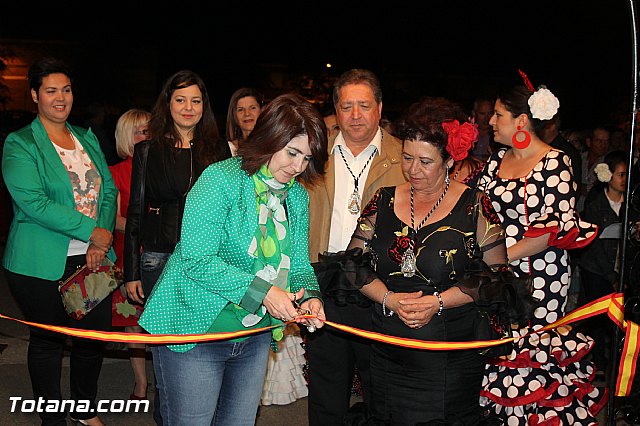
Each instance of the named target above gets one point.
<point>211,266</point>
<point>45,216</point>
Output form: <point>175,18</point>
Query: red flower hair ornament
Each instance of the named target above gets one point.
<point>461,138</point>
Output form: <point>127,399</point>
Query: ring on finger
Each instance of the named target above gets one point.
<point>302,311</point>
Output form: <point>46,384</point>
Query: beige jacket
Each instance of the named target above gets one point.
<point>385,171</point>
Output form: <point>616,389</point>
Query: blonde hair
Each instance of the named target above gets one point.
<point>126,126</point>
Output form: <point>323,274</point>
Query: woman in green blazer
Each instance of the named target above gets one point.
<point>242,263</point>
<point>64,203</point>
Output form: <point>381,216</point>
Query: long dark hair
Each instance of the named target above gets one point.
<point>284,118</point>
<point>206,138</point>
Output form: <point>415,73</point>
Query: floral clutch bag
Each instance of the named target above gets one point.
<point>85,289</point>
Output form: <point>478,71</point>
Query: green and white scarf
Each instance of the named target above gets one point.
<point>270,246</point>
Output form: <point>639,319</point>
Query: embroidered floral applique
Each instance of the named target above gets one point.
<point>125,309</point>
<point>448,255</point>
<point>364,227</point>
<point>403,233</point>
<point>400,245</point>
<point>371,207</point>
<point>488,211</point>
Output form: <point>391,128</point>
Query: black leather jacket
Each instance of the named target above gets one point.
<point>154,215</point>
<point>599,257</point>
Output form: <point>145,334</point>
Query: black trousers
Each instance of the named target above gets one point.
<point>333,356</point>
<point>40,302</point>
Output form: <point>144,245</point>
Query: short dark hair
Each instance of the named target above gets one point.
<point>357,76</point>
<point>423,120</point>
<point>233,130</point>
<point>593,130</point>
<point>284,118</point>
<point>480,99</point>
<point>44,67</point>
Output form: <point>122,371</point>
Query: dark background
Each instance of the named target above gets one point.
<point>581,50</point>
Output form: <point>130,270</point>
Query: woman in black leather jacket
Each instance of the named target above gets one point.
<point>184,141</point>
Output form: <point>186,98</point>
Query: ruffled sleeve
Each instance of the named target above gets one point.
<point>499,292</point>
<point>558,217</point>
<point>342,274</point>
<point>487,277</point>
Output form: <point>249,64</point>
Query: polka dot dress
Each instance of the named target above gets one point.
<point>545,378</point>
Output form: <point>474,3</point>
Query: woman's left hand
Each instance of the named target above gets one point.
<point>280,303</point>
<point>316,308</point>
<point>417,312</point>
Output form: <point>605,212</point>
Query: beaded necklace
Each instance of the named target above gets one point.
<point>353,205</point>
<point>408,266</point>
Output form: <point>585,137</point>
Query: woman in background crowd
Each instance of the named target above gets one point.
<point>600,261</point>
<point>244,108</point>
<point>132,127</point>
<point>184,140</point>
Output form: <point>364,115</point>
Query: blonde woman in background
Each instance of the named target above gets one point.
<point>132,127</point>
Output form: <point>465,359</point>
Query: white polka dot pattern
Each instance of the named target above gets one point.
<point>552,379</point>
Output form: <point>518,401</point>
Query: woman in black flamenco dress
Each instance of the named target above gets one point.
<point>447,225</point>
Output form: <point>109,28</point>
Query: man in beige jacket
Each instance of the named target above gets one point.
<point>362,158</point>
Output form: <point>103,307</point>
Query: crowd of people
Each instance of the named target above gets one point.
<point>294,216</point>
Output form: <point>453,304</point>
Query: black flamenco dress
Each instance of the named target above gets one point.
<point>412,386</point>
<point>546,379</point>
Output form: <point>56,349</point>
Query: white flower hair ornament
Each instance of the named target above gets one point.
<point>603,172</point>
<point>543,104</point>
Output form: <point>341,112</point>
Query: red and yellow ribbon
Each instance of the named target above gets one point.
<point>612,305</point>
<point>155,339</point>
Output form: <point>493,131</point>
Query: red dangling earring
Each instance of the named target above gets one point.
<point>521,144</point>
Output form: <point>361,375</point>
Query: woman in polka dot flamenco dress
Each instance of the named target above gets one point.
<point>546,379</point>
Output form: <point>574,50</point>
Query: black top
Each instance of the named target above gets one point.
<point>154,215</point>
